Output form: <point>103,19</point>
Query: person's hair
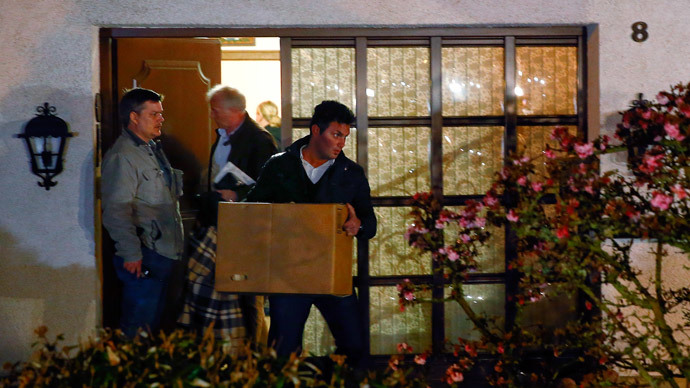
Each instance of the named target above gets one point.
<point>231,97</point>
<point>269,111</point>
<point>331,111</point>
<point>133,101</point>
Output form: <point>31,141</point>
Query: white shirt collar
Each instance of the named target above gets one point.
<point>314,173</point>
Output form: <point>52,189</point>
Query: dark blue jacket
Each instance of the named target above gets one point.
<point>284,180</point>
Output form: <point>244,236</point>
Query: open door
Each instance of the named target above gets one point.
<point>183,70</point>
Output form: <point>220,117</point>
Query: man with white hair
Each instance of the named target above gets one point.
<point>243,142</point>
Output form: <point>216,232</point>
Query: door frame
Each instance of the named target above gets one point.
<point>588,89</point>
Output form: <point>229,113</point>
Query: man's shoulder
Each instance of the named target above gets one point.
<point>281,158</point>
<point>121,147</point>
<point>350,164</point>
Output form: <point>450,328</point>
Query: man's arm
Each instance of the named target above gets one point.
<point>119,182</point>
<point>264,148</point>
<point>263,189</point>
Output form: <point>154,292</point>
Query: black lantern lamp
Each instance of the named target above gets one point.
<point>46,135</point>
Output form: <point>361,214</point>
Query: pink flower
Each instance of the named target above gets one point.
<point>633,215</point>
<point>651,162</point>
<point>440,224</point>
<point>662,99</point>
<point>401,286</point>
<point>500,348</point>
<point>490,200</point>
<point>404,346</point>
<point>504,173</point>
<point>673,131</point>
<point>522,180</point>
<point>563,232</point>
<point>537,186</point>
<point>550,154</point>
<point>521,161</point>
<point>480,222</point>
<point>589,189</point>
<point>679,191</point>
<point>661,200</point>
<point>584,150</point>
<point>465,238</point>
<point>685,109</point>
<point>420,359</point>
<point>408,295</point>
<point>453,374</point>
<point>512,216</point>
<point>452,255</point>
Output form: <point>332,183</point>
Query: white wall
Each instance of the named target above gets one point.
<point>257,80</point>
<point>48,52</point>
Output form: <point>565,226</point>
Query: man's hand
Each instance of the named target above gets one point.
<point>351,226</point>
<point>133,267</point>
<point>228,195</point>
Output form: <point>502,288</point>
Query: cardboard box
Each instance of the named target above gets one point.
<point>283,248</point>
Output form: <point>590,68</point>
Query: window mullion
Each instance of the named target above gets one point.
<point>361,113</point>
<point>510,145</point>
<point>286,91</point>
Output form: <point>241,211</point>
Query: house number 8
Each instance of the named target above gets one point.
<point>640,33</point>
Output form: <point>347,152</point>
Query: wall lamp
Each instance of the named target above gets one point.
<point>46,136</point>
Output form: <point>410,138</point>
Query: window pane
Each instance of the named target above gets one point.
<point>322,74</point>
<point>389,326</point>
<point>471,158</point>
<point>398,81</point>
<point>483,298</point>
<point>389,253</point>
<point>399,161</point>
<point>492,255</point>
<point>317,339</point>
<point>473,81</point>
<point>547,80</point>
<point>533,141</point>
<point>551,312</point>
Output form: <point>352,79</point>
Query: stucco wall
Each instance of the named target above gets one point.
<point>48,52</point>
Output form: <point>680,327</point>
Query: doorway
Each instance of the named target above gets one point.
<point>182,70</point>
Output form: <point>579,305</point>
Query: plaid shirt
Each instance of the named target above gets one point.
<point>204,306</point>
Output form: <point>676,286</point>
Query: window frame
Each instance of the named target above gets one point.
<point>585,38</point>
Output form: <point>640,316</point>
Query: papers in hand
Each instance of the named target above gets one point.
<point>238,174</point>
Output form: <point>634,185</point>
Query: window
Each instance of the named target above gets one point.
<point>437,110</point>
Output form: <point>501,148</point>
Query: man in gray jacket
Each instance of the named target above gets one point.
<point>141,210</point>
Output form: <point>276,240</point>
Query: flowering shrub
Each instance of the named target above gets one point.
<point>180,359</point>
<point>574,230</point>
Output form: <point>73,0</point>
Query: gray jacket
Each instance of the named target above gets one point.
<point>140,199</point>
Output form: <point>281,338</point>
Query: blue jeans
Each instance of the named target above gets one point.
<point>143,299</point>
<point>289,313</point>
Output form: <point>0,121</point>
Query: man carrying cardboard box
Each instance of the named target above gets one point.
<point>315,170</point>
